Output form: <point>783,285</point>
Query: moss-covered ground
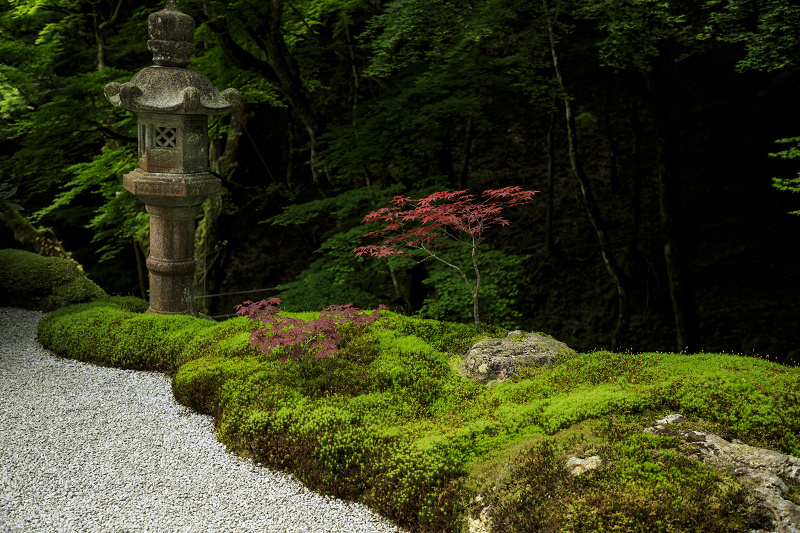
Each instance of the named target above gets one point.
<point>389,422</point>
<point>32,281</point>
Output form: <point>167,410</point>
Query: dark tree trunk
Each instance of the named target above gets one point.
<point>41,240</point>
<point>681,292</point>
<point>279,68</point>
<point>612,141</point>
<point>100,29</point>
<point>636,176</point>
<point>592,209</point>
<point>632,259</point>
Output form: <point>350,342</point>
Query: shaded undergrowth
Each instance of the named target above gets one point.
<point>389,422</point>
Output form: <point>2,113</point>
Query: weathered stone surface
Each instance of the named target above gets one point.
<point>482,524</point>
<point>757,468</point>
<point>494,360</point>
<point>578,466</point>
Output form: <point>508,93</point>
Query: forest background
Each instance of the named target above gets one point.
<point>646,125</point>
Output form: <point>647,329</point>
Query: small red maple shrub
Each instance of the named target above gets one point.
<point>299,337</point>
<point>443,217</point>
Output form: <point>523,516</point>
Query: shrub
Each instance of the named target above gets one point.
<point>296,337</point>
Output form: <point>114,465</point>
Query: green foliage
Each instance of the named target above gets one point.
<point>33,281</point>
<point>6,193</point>
<point>417,31</point>
<point>212,62</point>
<point>63,144</point>
<point>767,29</point>
<point>637,32</point>
<point>336,275</point>
<point>788,184</point>
<point>347,205</point>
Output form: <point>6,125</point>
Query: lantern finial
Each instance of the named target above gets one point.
<point>171,32</point>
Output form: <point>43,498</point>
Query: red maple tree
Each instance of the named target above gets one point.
<point>442,218</point>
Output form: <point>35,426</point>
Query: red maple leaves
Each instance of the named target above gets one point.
<point>296,336</point>
<point>440,219</point>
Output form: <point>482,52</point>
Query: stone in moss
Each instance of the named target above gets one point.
<point>32,281</point>
<point>494,360</point>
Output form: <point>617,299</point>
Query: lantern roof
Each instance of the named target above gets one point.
<point>170,87</point>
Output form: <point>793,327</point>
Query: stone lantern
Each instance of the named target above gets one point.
<point>172,104</point>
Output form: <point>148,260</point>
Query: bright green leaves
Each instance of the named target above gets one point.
<point>793,152</point>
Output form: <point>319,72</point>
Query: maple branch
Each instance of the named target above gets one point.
<point>466,280</point>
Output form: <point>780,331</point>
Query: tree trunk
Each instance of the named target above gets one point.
<point>209,242</point>
<point>592,209</point>
<point>681,292</point>
<point>279,67</point>
<point>612,141</point>
<point>636,178</point>
<point>42,240</point>
<point>100,29</point>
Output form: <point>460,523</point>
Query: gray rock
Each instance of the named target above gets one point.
<point>669,419</point>
<point>578,466</point>
<point>758,469</point>
<point>495,360</point>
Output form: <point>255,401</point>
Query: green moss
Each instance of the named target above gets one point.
<point>389,422</point>
<point>32,281</point>
<point>104,333</point>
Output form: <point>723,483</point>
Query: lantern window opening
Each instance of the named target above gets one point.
<point>166,137</point>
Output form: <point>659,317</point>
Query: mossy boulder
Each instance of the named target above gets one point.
<point>493,361</point>
<point>32,281</point>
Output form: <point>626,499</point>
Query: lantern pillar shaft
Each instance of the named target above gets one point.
<point>171,261</point>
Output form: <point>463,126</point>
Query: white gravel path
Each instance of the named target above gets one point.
<point>91,449</point>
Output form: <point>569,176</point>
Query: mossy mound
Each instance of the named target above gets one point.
<point>115,332</point>
<point>388,421</point>
<point>35,282</point>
